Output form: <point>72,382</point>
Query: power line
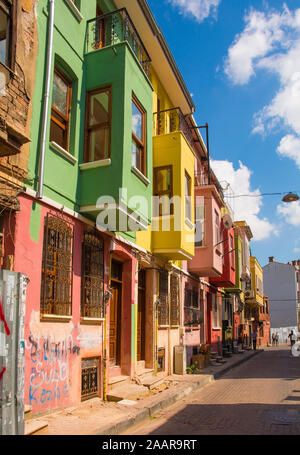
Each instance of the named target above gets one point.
<point>258,195</point>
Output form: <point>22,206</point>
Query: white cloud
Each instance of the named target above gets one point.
<point>290,212</point>
<point>270,41</point>
<point>245,208</point>
<point>296,250</point>
<point>199,9</point>
<point>290,147</point>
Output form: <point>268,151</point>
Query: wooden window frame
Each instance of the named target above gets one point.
<point>98,126</point>
<point>10,9</point>
<point>142,166</point>
<point>166,192</point>
<point>65,123</point>
<point>174,300</point>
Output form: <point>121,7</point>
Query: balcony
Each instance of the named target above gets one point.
<point>208,259</point>
<point>173,163</point>
<point>112,29</point>
<point>111,179</point>
<point>171,121</point>
<point>227,279</point>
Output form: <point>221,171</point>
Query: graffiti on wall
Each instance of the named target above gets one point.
<point>50,367</point>
<point>2,344</point>
<point>51,361</point>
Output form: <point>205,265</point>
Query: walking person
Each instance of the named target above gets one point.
<point>254,339</point>
<point>277,338</point>
<point>273,339</point>
<point>292,338</point>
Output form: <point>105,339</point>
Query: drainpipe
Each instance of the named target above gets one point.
<point>46,98</point>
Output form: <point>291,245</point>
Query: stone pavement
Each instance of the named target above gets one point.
<point>259,397</point>
<point>95,417</point>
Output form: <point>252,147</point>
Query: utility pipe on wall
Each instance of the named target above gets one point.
<point>46,98</point>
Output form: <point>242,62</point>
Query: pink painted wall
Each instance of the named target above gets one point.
<point>207,261</point>
<point>53,350</point>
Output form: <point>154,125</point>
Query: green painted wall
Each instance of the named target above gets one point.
<point>118,67</point>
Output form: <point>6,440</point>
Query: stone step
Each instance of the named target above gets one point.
<point>115,381</point>
<point>27,412</point>
<point>127,392</point>
<point>152,381</point>
<point>221,360</point>
<point>33,426</point>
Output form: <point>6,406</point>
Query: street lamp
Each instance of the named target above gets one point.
<point>290,197</point>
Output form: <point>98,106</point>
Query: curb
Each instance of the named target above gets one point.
<point>149,411</point>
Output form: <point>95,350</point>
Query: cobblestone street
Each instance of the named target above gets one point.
<point>259,397</point>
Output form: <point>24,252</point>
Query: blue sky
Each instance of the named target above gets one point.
<point>240,60</point>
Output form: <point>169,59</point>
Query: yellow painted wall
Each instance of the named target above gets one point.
<point>256,273</point>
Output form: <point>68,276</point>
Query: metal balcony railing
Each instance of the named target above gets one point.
<point>171,121</point>
<point>113,28</point>
<point>201,179</point>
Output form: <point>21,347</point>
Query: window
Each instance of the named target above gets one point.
<point>163,307</point>
<point>5,33</point>
<point>175,300</point>
<point>217,228</point>
<point>57,267</point>
<point>60,109</point>
<point>216,311</point>
<point>200,221</point>
<point>232,250</point>
<point>188,202</point>
<point>192,316</point>
<point>138,150</point>
<point>99,30</point>
<point>89,378</point>
<point>92,294</point>
<point>98,125</point>
<point>163,188</point>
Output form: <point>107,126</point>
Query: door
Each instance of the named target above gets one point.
<point>141,328</point>
<point>115,324</point>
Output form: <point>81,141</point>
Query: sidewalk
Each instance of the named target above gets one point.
<point>95,417</point>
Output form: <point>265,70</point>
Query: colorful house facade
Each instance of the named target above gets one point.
<point>118,221</point>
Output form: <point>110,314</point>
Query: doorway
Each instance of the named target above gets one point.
<point>115,314</point>
<point>141,326</point>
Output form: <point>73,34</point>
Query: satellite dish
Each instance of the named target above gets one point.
<point>227,221</point>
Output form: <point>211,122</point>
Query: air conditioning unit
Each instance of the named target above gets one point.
<point>227,221</point>
<point>249,295</point>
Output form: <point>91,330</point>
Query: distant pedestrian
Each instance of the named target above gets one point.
<point>273,339</point>
<point>254,339</point>
<point>293,337</point>
<point>276,338</point>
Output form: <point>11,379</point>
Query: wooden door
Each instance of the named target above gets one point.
<point>99,30</point>
<point>115,324</point>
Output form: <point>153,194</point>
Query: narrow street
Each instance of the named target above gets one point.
<point>260,397</point>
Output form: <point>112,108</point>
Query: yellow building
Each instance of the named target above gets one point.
<point>255,296</point>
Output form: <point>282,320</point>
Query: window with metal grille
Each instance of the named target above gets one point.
<point>57,267</point>
<point>160,359</point>
<point>89,378</point>
<point>175,300</point>
<point>92,284</point>
<point>191,308</point>
<point>163,307</point>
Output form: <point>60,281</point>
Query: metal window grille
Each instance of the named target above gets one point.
<point>57,267</point>
<point>175,300</point>
<point>163,307</point>
<point>92,287</point>
<point>192,315</point>
<point>89,378</point>
<point>160,359</point>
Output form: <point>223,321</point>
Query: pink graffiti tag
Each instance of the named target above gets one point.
<point>2,318</point>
